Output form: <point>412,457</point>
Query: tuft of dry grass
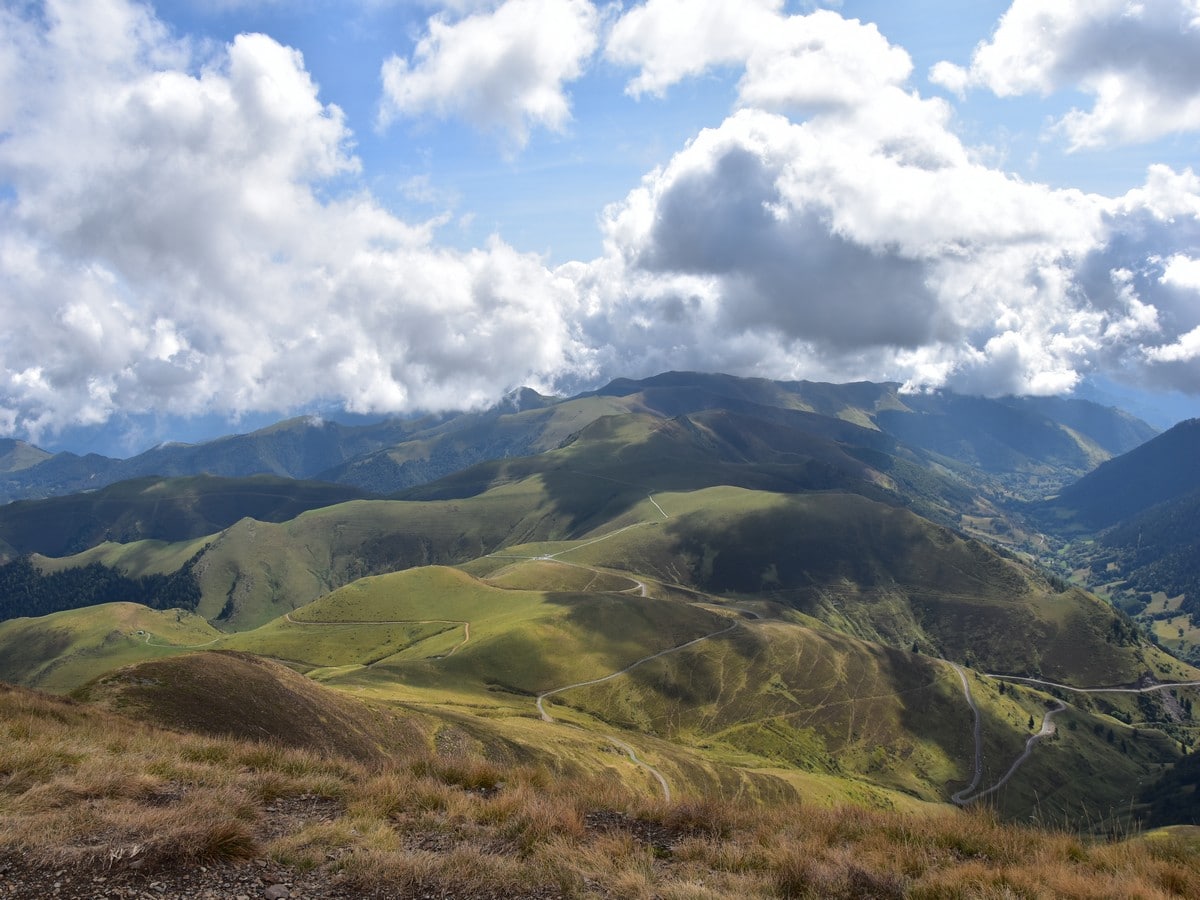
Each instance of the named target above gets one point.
<point>83,787</point>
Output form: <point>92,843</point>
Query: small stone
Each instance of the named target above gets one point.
<point>277,892</point>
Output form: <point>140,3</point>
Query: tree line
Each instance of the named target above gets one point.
<point>27,591</point>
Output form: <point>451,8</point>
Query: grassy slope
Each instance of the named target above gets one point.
<point>768,710</point>
<point>155,508</point>
<point>521,642</point>
<point>770,700</point>
<point>878,572</point>
<point>135,558</point>
<point>263,570</point>
<point>88,791</point>
<point>61,651</point>
<point>873,570</point>
<point>192,693</point>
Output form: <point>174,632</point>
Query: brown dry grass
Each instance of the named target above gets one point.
<point>84,787</point>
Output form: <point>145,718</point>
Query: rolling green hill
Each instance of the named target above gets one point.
<point>712,585</point>
<point>62,651</point>
<point>878,572</point>
<point>160,509</point>
<point>740,699</point>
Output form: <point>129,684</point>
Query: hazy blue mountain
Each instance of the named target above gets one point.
<point>1030,446</point>
<point>1161,470</point>
<point>16,456</point>
<point>1027,447</point>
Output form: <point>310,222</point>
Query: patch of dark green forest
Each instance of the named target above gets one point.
<point>27,591</point>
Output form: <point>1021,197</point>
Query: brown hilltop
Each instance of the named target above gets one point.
<point>230,694</point>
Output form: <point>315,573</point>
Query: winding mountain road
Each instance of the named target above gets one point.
<point>1046,730</point>
<point>637,761</point>
<point>1095,690</point>
<point>966,795</point>
<point>961,797</point>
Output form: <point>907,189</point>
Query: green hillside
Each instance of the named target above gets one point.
<point>703,585</point>
<point>1130,531</point>
<point>60,652</point>
<point>159,509</point>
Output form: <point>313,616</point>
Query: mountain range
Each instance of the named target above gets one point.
<point>756,589</point>
<point>1024,444</point>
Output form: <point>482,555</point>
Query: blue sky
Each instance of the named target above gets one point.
<point>218,212</point>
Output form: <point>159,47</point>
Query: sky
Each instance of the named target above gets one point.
<point>217,213</point>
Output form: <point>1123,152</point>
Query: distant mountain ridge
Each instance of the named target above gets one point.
<point>1161,470</point>
<point>1030,446</point>
<point>1143,509</point>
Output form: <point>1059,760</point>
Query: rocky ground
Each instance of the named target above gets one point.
<point>252,880</point>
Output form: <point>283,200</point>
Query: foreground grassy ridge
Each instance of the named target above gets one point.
<point>81,787</point>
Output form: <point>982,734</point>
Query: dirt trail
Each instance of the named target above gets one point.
<point>179,646</point>
<point>546,717</point>
<point>1095,690</point>
<point>645,659</point>
<point>466,626</point>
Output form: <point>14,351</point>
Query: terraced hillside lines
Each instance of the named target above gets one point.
<point>629,668</point>
<point>466,626</point>
<point>658,776</point>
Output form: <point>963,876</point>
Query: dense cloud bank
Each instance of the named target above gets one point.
<point>183,228</point>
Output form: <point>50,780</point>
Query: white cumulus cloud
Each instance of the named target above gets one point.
<point>167,247</point>
<point>1139,61</point>
<point>501,70</point>
<point>183,230</point>
<point>669,40</point>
